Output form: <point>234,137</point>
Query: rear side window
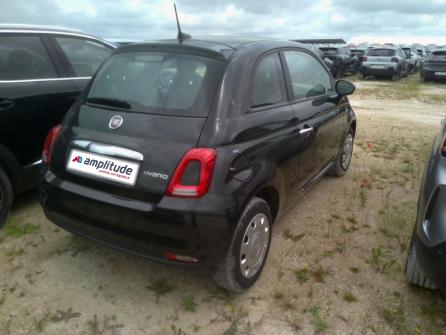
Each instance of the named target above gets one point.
<point>330,51</point>
<point>438,56</point>
<point>268,86</point>
<point>85,56</point>
<point>308,77</point>
<point>382,52</point>
<point>24,57</point>
<point>166,83</point>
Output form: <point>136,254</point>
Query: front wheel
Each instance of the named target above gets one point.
<point>6,197</point>
<point>345,157</point>
<point>249,248</point>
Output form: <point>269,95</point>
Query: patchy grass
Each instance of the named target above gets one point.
<point>320,325</point>
<point>107,325</point>
<point>16,229</point>
<point>302,275</point>
<point>189,304</point>
<point>349,297</point>
<point>160,287</point>
<point>395,316</point>
<point>288,235</point>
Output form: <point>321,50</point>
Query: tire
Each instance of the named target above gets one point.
<point>229,274</point>
<point>6,197</point>
<point>342,166</point>
<point>396,76</point>
<point>413,272</point>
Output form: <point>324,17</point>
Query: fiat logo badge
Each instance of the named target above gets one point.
<point>115,122</point>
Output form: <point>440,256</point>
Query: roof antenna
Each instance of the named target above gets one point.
<point>181,36</point>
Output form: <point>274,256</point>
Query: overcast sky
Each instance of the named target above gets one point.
<point>152,19</point>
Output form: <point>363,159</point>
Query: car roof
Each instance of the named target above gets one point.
<point>222,45</point>
<point>35,29</point>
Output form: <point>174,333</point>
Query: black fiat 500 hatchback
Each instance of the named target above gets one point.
<point>187,151</point>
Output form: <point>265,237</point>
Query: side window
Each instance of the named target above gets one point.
<point>24,57</point>
<point>308,77</point>
<point>84,55</point>
<point>268,86</point>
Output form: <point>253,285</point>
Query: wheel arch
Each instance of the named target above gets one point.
<point>12,168</point>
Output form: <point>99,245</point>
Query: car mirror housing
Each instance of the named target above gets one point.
<point>344,87</point>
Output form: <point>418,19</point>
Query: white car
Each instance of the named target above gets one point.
<point>414,60</point>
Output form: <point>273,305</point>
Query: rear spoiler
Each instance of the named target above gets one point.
<point>321,41</point>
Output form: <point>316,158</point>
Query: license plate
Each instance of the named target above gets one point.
<point>104,167</point>
<point>440,73</point>
<point>377,66</point>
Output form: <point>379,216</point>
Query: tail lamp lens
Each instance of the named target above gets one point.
<point>48,145</point>
<point>394,60</point>
<point>205,158</point>
<point>364,58</point>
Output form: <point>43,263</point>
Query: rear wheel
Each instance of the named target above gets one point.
<point>414,274</point>
<point>6,197</point>
<point>249,248</point>
<point>343,162</point>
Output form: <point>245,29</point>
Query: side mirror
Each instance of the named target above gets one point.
<point>344,87</point>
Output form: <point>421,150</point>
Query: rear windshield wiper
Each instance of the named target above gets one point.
<point>109,102</point>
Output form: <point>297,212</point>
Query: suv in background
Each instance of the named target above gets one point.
<point>42,72</point>
<point>187,151</point>
<point>434,67</point>
<point>385,61</point>
<point>343,60</point>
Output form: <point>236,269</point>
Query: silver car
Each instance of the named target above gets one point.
<point>385,61</point>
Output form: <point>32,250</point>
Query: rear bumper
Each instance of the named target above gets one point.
<point>388,70</point>
<point>199,228</point>
<point>433,262</point>
<point>431,74</point>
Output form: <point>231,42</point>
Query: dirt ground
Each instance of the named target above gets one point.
<point>335,266</point>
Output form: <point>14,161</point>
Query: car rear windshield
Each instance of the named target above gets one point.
<point>165,83</point>
<point>357,52</point>
<point>329,51</point>
<point>382,52</point>
<point>438,56</point>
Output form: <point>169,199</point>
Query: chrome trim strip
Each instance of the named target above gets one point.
<point>43,79</point>
<point>108,150</point>
<point>35,163</point>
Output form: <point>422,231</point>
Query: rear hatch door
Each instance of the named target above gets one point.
<point>142,113</point>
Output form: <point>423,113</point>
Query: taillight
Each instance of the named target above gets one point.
<point>443,148</point>
<point>199,161</point>
<point>50,139</point>
<point>394,60</point>
<point>364,58</point>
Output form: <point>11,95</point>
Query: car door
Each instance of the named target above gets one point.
<point>321,118</point>
<point>34,95</point>
<point>81,56</point>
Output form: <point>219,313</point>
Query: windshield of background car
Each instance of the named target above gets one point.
<point>438,56</point>
<point>165,83</point>
<point>382,52</point>
<point>329,51</point>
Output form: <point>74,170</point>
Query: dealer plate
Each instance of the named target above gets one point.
<point>104,167</point>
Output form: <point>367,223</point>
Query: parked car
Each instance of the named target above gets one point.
<point>386,61</point>
<point>322,56</point>
<point>434,67</point>
<point>185,152</point>
<point>343,60</point>
<point>413,58</point>
<point>42,71</point>
<point>426,260</point>
<point>422,53</point>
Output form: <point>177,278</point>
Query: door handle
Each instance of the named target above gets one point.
<point>5,103</point>
<point>305,130</point>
